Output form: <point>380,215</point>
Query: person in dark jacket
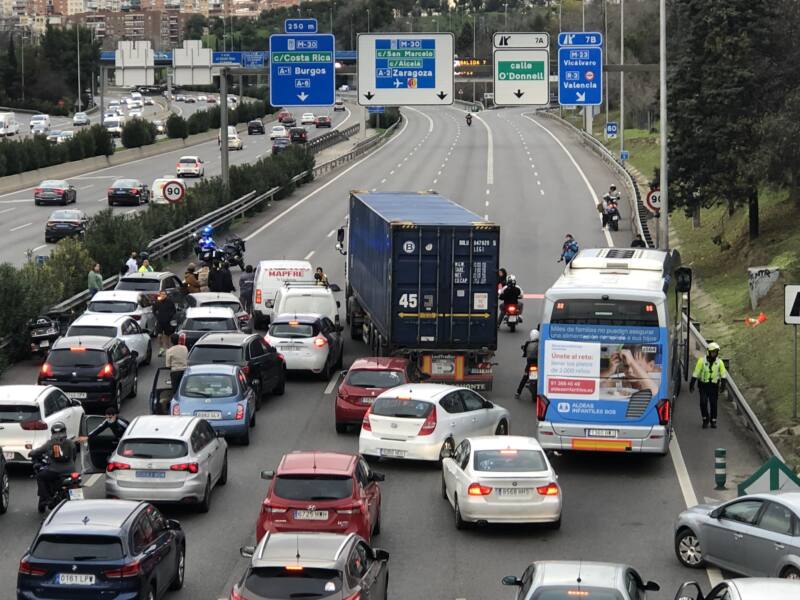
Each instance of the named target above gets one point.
<point>164,309</point>
<point>227,279</point>
<point>246,282</point>
<point>215,278</point>
<point>60,453</point>
<point>638,242</point>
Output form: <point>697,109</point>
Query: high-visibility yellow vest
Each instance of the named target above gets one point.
<point>706,372</point>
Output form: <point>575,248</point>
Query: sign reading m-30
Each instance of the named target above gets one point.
<point>405,69</point>
<point>521,77</point>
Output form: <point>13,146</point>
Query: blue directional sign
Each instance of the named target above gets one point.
<point>405,63</point>
<point>580,76</point>
<point>375,109</point>
<point>300,26</point>
<point>247,60</point>
<point>624,155</point>
<point>611,130</point>
<point>580,38</point>
<point>302,69</point>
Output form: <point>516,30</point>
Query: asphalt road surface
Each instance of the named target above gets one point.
<point>537,182</point>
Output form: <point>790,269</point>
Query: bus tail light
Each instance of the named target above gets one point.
<point>663,408</point>
<point>542,404</point>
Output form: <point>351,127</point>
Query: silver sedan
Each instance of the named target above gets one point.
<point>756,535</point>
<point>746,588</point>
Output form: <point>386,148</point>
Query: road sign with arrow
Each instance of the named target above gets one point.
<point>521,76</point>
<point>580,71</point>
<point>302,69</point>
<point>396,69</point>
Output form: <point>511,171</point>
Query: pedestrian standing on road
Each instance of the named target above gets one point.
<point>226,279</point>
<point>320,278</point>
<point>202,277</point>
<point>708,374</point>
<point>246,282</point>
<point>145,268</point>
<point>568,249</point>
<point>176,360</point>
<point>95,280</point>
<point>190,279</point>
<point>215,282</point>
<point>165,311</point>
<point>131,264</point>
<point>638,242</point>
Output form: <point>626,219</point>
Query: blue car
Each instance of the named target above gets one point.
<point>221,395</point>
<point>103,549</point>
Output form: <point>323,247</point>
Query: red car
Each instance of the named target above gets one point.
<point>323,121</point>
<point>284,115</point>
<point>322,491</point>
<point>367,378</point>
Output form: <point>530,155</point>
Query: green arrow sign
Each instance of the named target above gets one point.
<point>520,70</point>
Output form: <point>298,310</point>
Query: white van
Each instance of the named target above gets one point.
<point>306,298</point>
<point>157,190</point>
<point>269,278</point>
<point>8,124</point>
<point>114,125</point>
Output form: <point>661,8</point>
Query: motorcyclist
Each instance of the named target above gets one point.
<point>206,242</point>
<point>568,249</point>
<point>510,294</point>
<point>530,350</point>
<point>468,117</point>
<point>502,279</point>
<point>60,454</point>
<point>610,202</point>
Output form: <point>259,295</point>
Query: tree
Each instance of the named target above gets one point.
<point>195,26</point>
<point>10,71</point>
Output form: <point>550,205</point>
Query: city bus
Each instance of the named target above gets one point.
<point>604,354</point>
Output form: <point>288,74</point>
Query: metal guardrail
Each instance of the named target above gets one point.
<point>473,106</point>
<point>332,138</point>
<point>638,211</point>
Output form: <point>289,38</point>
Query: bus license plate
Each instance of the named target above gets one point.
<point>602,433</point>
<point>75,579</point>
<point>311,515</point>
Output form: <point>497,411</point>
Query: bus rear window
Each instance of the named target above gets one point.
<point>583,311</point>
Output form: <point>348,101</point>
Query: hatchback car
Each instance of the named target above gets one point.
<point>235,142</point>
<point>255,127</point>
<point>338,106</point>
<point>152,282</point>
<point>190,166</point>
<point>221,395</point>
<point>53,135</point>
<point>278,131</point>
<point>580,578</point>
<point>323,121</point>
<point>290,122</point>
<point>54,191</point>
<point>308,343</point>
<point>281,144</point>
<point>65,223</point>
<point>26,414</point>
<point>168,459</point>
<point>260,362</point>
<point>298,135</point>
<point>135,304</point>
<point>224,300</point>
<point>128,191</point>
<point>321,491</point>
<point>501,479</point>
<point>756,535</point>
<point>327,566</point>
<point>191,100</point>
<point>80,119</point>
<point>103,549</point>
<point>200,321</point>
<point>97,371</point>
<point>307,119</point>
<point>122,327</point>
<point>40,121</point>
<point>295,297</point>
<point>426,421</point>
<point>284,115</point>
<point>746,588</point>
<point>366,379</point>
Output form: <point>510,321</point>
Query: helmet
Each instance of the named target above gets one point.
<point>58,431</point>
<point>612,187</point>
<point>534,335</point>
<point>512,279</point>
<point>713,347</point>
<point>207,230</point>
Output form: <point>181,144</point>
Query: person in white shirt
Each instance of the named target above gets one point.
<point>132,265</point>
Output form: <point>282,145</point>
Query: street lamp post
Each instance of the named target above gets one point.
<point>621,77</point>
<point>662,72</point>
<point>474,52</point>
<point>78,41</point>
<point>367,20</point>
<point>505,7</point>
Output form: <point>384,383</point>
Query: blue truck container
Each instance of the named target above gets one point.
<point>422,282</point>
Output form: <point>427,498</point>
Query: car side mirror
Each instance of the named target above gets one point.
<point>716,513</point>
<point>173,525</point>
<point>334,287</point>
<point>343,373</point>
<point>247,551</point>
<point>511,580</point>
<point>377,476</point>
<point>685,591</point>
<point>487,404</point>
<point>380,554</point>
<point>340,235</point>
<point>267,475</point>
<point>75,403</point>
<point>651,586</point>
<point>446,453</point>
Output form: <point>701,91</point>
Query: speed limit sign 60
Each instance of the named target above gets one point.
<point>174,191</point>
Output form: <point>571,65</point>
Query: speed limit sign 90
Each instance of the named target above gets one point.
<point>174,191</point>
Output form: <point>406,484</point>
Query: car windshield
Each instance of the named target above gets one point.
<point>510,460</point>
<point>125,183</point>
<point>313,487</point>
<point>188,161</point>
<point>66,215</point>
<point>234,306</point>
<point>314,305</point>
<point>208,386</point>
<point>17,413</point>
<point>147,448</point>
<point>292,329</point>
<point>570,593</point>
<point>202,354</point>
<point>112,306</point>
<point>77,357</point>
<point>99,330</point>
<point>209,324</point>
<point>281,583</point>
<point>399,407</point>
<point>367,378</point>
<point>53,184</point>
<point>137,284</point>
<point>75,548</point>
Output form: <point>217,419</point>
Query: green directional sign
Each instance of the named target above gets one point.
<point>521,76</point>
<point>520,70</point>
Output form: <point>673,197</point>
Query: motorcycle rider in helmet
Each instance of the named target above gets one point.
<point>60,453</point>
<point>206,241</point>
<point>469,119</point>
<point>530,350</point>
<point>510,294</point>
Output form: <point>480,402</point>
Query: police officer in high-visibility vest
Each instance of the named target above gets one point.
<point>709,373</point>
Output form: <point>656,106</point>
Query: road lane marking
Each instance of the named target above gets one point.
<point>21,227</point>
<point>15,201</point>
<point>92,480</point>
<point>489,152</point>
<point>383,180</point>
<point>434,181</point>
<point>309,255</point>
<point>330,234</point>
<point>39,247</point>
<point>5,210</point>
<point>332,383</point>
<point>102,199</point>
<point>430,121</point>
<point>86,187</point>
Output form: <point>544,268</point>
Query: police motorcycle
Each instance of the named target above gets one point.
<point>68,487</point>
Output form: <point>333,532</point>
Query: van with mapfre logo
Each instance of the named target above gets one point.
<point>270,277</point>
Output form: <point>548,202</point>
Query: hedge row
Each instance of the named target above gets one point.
<point>137,133</point>
<point>203,120</point>
<point>18,156</point>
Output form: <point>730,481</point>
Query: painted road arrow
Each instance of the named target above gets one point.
<point>441,95</point>
<point>519,93</point>
<point>369,95</point>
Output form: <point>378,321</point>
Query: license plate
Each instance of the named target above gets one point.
<point>76,395</point>
<point>290,348</point>
<point>75,579</point>
<point>208,414</point>
<point>512,492</point>
<point>392,452</point>
<point>367,400</point>
<point>44,344</point>
<point>615,218</point>
<point>76,494</point>
<point>604,433</point>
<point>512,318</point>
<point>311,515</point>
<point>8,455</point>
<point>151,474</point>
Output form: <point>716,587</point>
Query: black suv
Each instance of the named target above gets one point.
<point>255,127</point>
<point>104,548</point>
<point>97,371</point>
<point>260,362</point>
<point>298,135</point>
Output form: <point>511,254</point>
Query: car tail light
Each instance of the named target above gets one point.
<point>38,190</point>
<point>281,357</point>
<point>107,372</point>
<point>34,425</point>
<point>135,191</point>
<point>244,318</point>
<point>365,424</point>
<point>429,425</point>
<point>258,296</point>
<point>246,369</point>
<point>25,568</point>
<point>551,489</point>
<point>533,369</point>
<point>110,190</point>
<point>136,317</point>
<point>176,410</point>
<point>663,408</point>
<point>320,341</point>
<point>50,224</point>
<point>190,467</point>
<point>476,489</point>
<point>182,339</point>
<point>58,191</point>
<point>272,509</point>
<point>46,370</point>
<point>130,570</point>
<point>356,596</point>
<point>235,595</point>
<point>117,466</point>
<point>353,510</point>
<point>542,403</point>
<point>239,412</point>
<point>295,568</point>
<point>177,165</point>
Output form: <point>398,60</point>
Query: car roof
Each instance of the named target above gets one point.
<point>305,318</point>
<point>90,342</point>
<point>214,297</point>
<point>379,363</point>
<point>101,319</point>
<point>284,264</point>
<point>420,391</point>
<point>197,312</point>
<point>765,587</point>
<point>90,516</point>
<point>148,275</point>
<point>162,426</point>
<point>224,339</point>
<point>567,572</point>
<point>496,442</point>
<point>123,295</point>
<point>215,369</point>
<point>305,288</point>
<point>315,549</point>
<point>192,156</point>
<point>791,498</point>
<point>20,394</point>
<point>334,463</point>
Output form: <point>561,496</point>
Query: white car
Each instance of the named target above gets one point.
<point>278,131</point>
<point>308,119</point>
<point>501,479</point>
<point>149,102</point>
<point>425,421</point>
<point>119,326</point>
<point>308,343</point>
<point>301,297</point>
<point>202,98</point>
<point>190,165</point>
<point>235,142</point>
<point>65,136</point>
<point>135,113</point>
<point>40,120</point>
<point>131,303</point>
<point>26,414</point>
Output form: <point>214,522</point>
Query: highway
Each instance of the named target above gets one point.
<point>22,223</point>
<point>537,182</point>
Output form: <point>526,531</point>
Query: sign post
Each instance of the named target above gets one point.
<point>791,316</point>
<point>302,69</point>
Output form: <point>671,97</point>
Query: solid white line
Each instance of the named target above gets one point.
<point>5,210</point>
<point>21,227</point>
<point>92,480</point>
<point>330,234</point>
<point>332,383</point>
<point>302,200</point>
<point>39,247</point>
<point>86,187</point>
<point>17,201</point>
<point>489,152</point>
<point>309,255</point>
<point>430,121</point>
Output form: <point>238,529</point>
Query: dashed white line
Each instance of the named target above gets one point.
<point>383,180</point>
<point>39,247</point>
<point>332,383</point>
<point>21,227</point>
<point>538,182</point>
<point>102,199</point>
<point>487,192</point>
<point>391,172</point>
<point>92,480</point>
<point>541,192</point>
<point>487,203</point>
<point>309,255</point>
<point>331,232</point>
<point>5,210</point>
<point>439,172</point>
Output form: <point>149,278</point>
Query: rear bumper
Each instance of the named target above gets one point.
<point>371,445</point>
<point>315,364</point>
<point>346,528</point>
<point>21,455</point>
<point>60,234</point>
<point>191,490</point>
<point>230,427</point>
<point>34,591</point>
<point>124,199</point>
<point>97,394</point>
<point>546,510</point>
<point>49,199</point>
<point>565,437</point>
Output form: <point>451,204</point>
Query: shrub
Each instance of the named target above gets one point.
<point>198,122</point>
<point>137,133</point>
<point>176,127</point>
<point>103,140</point>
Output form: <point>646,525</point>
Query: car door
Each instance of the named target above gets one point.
<point>634,585</point>
<point>365,570</point>
<point>131,335</point>
<point>69,412</point>
<point>480,417</point>
<point>202,449</point>
<point>257,360</point>
<point>451,407</point>
<point>450,469</point>
<point>148,318</point>
<point>273,365</point>
<point>123,359</point>
<point>51,411</point>
<point>216,449</point>
<point>162,549</point>
<point>371,491</point>
<point>773,540</point>
<point>327,329</point>
<point>727,537</point>
<point>143,547</point>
